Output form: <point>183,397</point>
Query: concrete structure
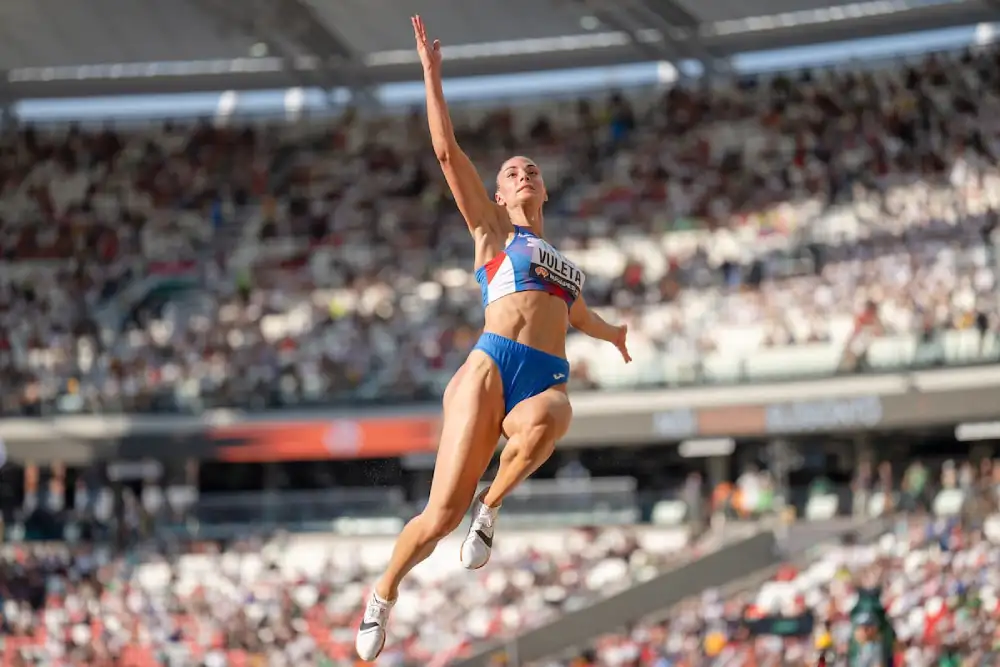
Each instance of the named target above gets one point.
<point>62,48</point>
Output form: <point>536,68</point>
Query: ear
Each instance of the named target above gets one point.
<point>498,199</point>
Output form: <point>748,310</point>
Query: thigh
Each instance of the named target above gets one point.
<point>550,411</point>
<point>470,430</point>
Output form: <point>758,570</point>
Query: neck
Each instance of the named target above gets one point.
<point>522,217</point>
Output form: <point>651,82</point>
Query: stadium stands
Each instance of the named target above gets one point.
<point>834,221</point>
<point>296,599</point>
<point>938,582</point>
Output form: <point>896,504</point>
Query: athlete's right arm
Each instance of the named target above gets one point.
<point>466,186</point>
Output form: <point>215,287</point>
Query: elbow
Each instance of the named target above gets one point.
<point>445,148</point>
<point>444,151</point>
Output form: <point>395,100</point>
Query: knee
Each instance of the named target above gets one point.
<point>538,438</point>
<point>439,522</point>
<point>531,450</point>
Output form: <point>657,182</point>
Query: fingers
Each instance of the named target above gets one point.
<point>419,31</point>
<point>622,345</point>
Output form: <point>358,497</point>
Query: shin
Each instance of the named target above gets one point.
<point>415,544</point>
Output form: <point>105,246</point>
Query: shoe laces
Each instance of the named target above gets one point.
<point>376,610</point>
<point>486,516</point>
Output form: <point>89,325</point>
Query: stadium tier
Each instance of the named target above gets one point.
<point>292,599</point>
<point>934,578</point>
<point>189,279</point>
<point>788,227</point>
<point>296,600</point>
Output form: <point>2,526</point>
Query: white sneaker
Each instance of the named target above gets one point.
<point>478,544</point>
<point>371,634</point>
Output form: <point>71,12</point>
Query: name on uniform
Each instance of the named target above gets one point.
<point>550,266</point>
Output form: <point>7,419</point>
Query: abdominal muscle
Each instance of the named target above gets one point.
<point>536,319</point>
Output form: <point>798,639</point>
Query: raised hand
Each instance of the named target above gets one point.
<point>430,53</point>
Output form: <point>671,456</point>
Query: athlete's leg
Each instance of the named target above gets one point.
<point>469,435</point>
<point>473,411</point>
<point>532,428</point>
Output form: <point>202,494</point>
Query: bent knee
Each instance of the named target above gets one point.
<point>553,422</point>
<point>533,445</point>
<point>439,522</point>
<point>538,437</point>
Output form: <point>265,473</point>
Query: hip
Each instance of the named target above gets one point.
<point>524,371</point>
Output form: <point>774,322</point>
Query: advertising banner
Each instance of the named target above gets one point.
<point>835,405</point>
<point>325,439</point>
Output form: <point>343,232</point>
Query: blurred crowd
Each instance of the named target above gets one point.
<point>938,582</point>
<point>295,600</point>
<point>186,267</point>
<point>936,577</point>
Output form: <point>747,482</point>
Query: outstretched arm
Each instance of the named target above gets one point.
<point>587,321</point>
<point>467,187</point>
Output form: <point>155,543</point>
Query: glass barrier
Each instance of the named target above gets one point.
<point>298,507</point>
<point>572,502</point>
<point>887,354</point>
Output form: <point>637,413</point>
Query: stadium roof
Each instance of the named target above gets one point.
<point>61,48</point>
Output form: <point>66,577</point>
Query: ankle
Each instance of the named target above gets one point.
<point>385,594</point>
<point>492,503</point>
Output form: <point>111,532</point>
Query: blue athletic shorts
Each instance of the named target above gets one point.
<point>524,371</point>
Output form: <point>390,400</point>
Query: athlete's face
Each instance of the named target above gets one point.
<point>520,182</point>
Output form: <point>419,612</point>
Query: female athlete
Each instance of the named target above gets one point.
<point>514,381</point>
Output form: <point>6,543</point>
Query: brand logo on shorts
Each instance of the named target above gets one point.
<point>541,271</point>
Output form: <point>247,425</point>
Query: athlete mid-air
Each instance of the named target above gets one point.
<point>514,381</point>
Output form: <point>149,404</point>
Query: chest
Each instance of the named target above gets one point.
<point>543,262</point>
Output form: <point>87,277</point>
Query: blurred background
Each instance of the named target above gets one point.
<point>233,286</point>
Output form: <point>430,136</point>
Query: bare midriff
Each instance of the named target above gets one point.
<point>533,318</point>
<point>536,319</point>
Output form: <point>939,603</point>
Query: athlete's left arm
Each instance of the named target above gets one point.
<point>590,323</point>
